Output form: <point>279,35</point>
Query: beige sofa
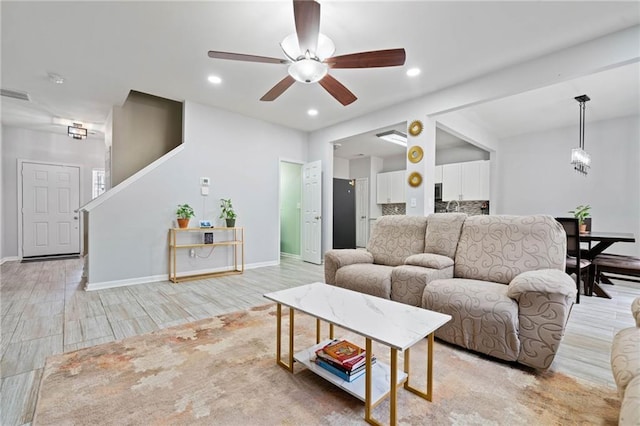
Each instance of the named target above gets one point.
<point>501,278</point>
<point>625,363</point>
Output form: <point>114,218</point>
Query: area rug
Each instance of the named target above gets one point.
<point>222,371</point>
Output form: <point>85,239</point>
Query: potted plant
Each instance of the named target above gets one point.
<point>184,213</point>
<point>581,213</point>
<point>227,213</point>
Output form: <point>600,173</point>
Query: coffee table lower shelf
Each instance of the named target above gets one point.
<point>381,374</point>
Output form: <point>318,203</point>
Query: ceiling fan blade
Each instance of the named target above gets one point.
<point>307,16</point>
<point>374,59</point>
<point>246,58</point>
<point>278,89</point>
<point>337,90</point>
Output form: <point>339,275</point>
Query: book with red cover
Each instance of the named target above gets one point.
<point>342,351</point>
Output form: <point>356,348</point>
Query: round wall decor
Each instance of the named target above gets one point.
<point>415,179</point>
<point>415,128</point>
<point>415,154</point>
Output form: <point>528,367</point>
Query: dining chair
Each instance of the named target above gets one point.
<point>574,263</point>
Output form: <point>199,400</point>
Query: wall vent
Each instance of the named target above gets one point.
<point>23,96</point>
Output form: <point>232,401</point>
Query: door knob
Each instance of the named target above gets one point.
<point>75,217</point>
<point>318,217</point>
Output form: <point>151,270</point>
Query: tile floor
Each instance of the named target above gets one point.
<point>45,311</point>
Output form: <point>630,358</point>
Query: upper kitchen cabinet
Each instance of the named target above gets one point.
<point>391,187</point>
<point>465,181</point>
<point>438,175</point>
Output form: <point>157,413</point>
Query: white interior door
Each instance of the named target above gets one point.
<point>362,212</point>
<point>312,212</point>
<point>50,203</point>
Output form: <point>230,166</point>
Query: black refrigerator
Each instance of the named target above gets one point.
<point>344,213</point>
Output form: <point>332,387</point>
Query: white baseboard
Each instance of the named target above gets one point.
<point>290,256</point>
<point>8,259</point>
<point>165,277</point>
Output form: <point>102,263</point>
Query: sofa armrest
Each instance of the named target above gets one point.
<point>336,259</point>
<point>545,298</point>
<point>429,260</point>
<point>635,310</point>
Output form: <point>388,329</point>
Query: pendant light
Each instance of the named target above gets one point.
<point>579,158</point>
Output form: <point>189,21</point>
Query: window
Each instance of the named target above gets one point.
<point>97,182</point>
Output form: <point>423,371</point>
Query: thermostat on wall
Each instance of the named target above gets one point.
<point>204,181</point>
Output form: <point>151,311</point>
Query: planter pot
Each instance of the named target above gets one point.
<point>230,223</point>
<point>183,223</point>
<point>583,228</point>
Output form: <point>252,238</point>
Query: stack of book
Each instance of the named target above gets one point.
<point>343,358</point>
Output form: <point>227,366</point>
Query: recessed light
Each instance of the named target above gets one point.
<point>412,72</point>
<point>214,79</point>
<point>56,78</point>
<point>312,112</point>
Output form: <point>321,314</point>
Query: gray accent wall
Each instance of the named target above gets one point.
<point>128,238</point>
<point>47,147</point>
<point>144,129</point>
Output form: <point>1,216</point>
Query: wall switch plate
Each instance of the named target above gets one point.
<point>204,181</point>
<point>204,190</point>
<point>413,202</point>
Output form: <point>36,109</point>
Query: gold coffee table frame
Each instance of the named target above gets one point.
<point>393,391</point>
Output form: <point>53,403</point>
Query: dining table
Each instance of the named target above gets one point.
<point>602,240</point>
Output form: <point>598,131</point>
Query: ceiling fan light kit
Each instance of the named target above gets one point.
<point>308,54</point>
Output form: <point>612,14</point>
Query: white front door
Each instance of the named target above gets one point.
<point>312,212</point>
<point>50,203</point>
<point>362,212</point>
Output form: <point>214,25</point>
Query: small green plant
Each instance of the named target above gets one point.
<point>226,209</point>
<point>581,213</point>
<point>185,211</point>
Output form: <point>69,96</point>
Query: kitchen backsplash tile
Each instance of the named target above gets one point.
<point>472,208</point>
<point>389,209</point>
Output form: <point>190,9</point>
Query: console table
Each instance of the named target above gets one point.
<point>236,240</point>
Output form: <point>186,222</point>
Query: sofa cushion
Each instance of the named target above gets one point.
<point>498,248</point>
<point>366,278</point>
<point>484,318</point>
<point>443,233</point>
<point>428,260</point>
<point>625,357</point>
<point>408,282</point>
<point>394,238</point>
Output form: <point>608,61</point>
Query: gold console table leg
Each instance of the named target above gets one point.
<point>279,361</point>
<point>407,356</point>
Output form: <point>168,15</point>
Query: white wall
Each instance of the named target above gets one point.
<point>394,163</point>
<point>537,176</point>
<point>582,59</point>
<point>241,157</point>
<point>460,155</point>
<point>340,168</point>
<point>45,147</point>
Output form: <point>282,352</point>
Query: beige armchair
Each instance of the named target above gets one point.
<point>625,363</point>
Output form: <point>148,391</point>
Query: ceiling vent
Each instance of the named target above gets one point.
<point>22,96</point>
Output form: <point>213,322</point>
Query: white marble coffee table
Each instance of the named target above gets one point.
<point>393,324</point>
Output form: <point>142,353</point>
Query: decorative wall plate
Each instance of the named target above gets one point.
<point>415,179</point>
<point>415,154</point>
<point>415,128</point>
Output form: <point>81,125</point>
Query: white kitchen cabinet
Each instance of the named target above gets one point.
<point>438,176</point>
<point>451,182</point>
<point>465,181</point>
<point>391,187</point>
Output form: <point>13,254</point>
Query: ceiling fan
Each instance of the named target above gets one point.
<point>308,54</point>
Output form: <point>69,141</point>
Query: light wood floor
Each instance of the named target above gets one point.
<point>45,311</point>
